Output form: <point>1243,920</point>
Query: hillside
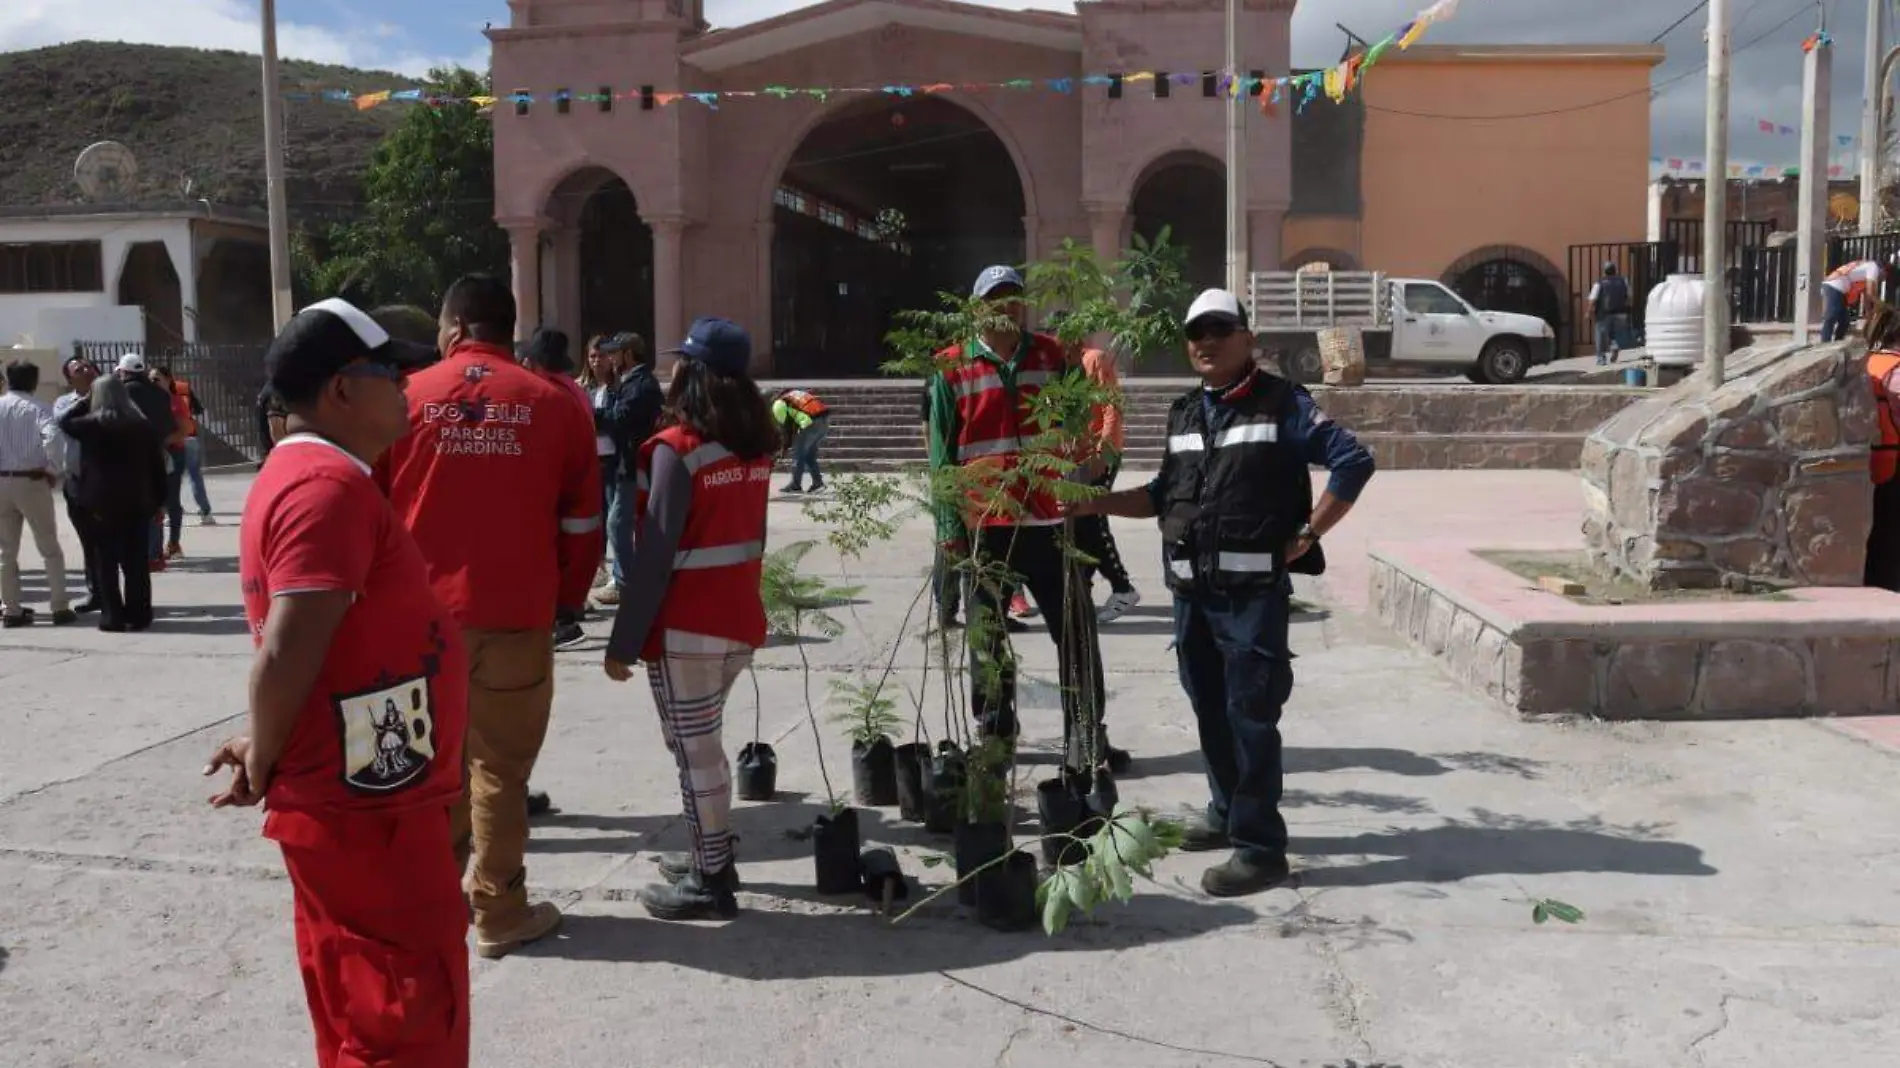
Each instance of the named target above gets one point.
<point>192,117</point>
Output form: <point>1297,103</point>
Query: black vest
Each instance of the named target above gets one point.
<point>1233,494</point>
<point>1613,295</point>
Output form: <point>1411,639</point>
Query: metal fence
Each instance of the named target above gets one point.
<point>1686,234</point>
<point>1644,263</point>
<point>225,378</point>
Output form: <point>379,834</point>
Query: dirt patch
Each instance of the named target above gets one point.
<point>1599,589</point>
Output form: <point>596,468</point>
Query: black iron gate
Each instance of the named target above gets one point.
<point>1644,263</point>
<point>226,379</point>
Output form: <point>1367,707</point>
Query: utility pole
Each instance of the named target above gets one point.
<point>1715,203</point>
<point>1817,75</point>
<point>274,174</point>
<point>1236,162</point>
<point>1870,146</point>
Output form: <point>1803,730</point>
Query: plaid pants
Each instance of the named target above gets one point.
<point>690,683</point>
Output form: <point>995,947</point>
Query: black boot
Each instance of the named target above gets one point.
<point>539,803</point>
<point>1200,837</point>
<point>1246,873</point>
<point>698,896</point>
<point>677,866</point>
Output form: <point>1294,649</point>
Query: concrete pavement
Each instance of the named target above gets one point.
<point>1737,877</point>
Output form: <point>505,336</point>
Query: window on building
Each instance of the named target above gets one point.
<point>52,267</point>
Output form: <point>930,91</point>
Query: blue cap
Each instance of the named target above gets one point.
<point>994,278</point>
<point>720,344</point>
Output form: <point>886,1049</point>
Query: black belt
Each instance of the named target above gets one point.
<point>23,474</point>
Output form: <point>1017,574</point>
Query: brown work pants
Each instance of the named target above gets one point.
<point>510,697</point>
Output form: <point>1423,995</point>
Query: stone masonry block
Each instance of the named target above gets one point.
<point>1809,425</point>
<point>1650,680</point>
<point>1438,616</point>
<point>1850,676</point>
<point>1557,678</point>
<point>1750,678</point>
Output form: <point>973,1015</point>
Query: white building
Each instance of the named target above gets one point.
<point>161,278</point>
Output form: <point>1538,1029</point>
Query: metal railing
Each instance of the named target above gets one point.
<point>225,378</point>
<point>1644,263</point>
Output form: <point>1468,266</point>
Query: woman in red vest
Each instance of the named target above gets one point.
<point>691,607</point>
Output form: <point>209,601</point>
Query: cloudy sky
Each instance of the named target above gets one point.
<point>410,35</point>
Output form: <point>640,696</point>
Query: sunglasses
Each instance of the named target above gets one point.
<point>1212,327</point>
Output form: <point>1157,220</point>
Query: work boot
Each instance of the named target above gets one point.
<point>697,896</point>
<point>607,596</point>
<point>1202,837</point>
<point>542,920</point>
<point>22,618</point>
<point>677,866</point>
<point>539,803</point>
<point>65,617</point>
<point>1245,873</point>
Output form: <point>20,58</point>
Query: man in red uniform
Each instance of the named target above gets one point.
<point>499,484</point>
<point>359,700</point>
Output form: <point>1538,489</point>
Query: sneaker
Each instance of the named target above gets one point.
<point>1199,837</point>
<point>543,919</point>
<point>793,488</point>
<point>539,803</point>
<point>207,520</point>
<point>569,636</point>
<point>697,896</point>
<point>22,618</point>
<point>1118,605</point>
<point>1244,874</point>
<point>818,487</point>
<point>174,549</point>
<point>607,596</point>
<point>87,607</point>
<point>1020,608</point>
<point>65,617</point>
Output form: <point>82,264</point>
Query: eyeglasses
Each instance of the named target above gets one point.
<point>1212,327</point>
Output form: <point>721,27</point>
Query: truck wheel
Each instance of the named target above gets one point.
<point>1306,367</point>
<point>1505,362</point>
<point>1476,374</point>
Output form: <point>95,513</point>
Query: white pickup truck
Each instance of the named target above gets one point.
<point>1403,321</point>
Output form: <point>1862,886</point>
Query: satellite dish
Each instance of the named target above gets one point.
<point>106,171</point>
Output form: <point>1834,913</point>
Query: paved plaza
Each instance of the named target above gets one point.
<point>1738,878</point>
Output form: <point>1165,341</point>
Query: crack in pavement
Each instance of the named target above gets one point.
<point>1695,1044</point>
<point>1002,1055</point>
<point>1345,1001</point>
<point>118,759</point>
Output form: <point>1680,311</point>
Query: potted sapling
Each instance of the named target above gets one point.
<point>868,716</point>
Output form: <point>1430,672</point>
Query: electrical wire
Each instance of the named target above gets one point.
<point>1686,16</point>
<point>1649,91</point>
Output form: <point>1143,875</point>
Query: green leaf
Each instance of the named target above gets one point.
<point>1055,910</point>
<point>1080,888</point>
<point>1539,913</point>
<point>934,860</point>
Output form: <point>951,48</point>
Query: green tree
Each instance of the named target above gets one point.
<point>429,208</point>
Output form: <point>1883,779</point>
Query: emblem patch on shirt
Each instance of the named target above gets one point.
<point>388,736</point>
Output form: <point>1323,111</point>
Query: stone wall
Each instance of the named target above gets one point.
<point>1762,482</point>
<point>1711,670</point>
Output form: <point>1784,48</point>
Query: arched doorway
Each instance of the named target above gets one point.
<point>1331,257</point>
<point>882,206</point>
<point>149,280</point>
<point>1187,193</point>
<point>1509,279</point>
<point>612,261</point>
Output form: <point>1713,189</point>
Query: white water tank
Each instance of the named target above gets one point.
<point>1672,324</point>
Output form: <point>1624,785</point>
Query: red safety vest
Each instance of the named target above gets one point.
<point>1886,455</point>
<point>993,425</point>
<point>717,565</point>
<point>805,402</point>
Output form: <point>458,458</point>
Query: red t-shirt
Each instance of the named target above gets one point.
<point>499,484</point>
<point>382,728</point>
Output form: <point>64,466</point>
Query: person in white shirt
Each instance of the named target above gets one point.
<point>64,453</point>
<point>26,497</point>
<point>1850,285</point>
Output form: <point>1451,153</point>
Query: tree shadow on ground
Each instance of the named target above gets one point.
<point>767,831</point>
<point>1490,843</point>
<point>3,958</point>
<point>769,945</point>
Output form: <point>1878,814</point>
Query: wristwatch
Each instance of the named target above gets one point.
<point>1307,532</point>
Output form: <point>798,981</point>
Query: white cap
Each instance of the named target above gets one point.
<point>1216,302</point>
<point>132,363</point>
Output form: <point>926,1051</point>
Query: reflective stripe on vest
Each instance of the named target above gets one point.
<point>1245,563</point>
<point>1245,434</point>
<point>718,556</point>
<point>993,447</point>
<point>970,387</point>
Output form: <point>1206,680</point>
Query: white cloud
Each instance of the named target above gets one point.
<point>219,24</point>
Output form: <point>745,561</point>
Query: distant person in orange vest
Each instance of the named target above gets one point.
<point>188,410</point>
<point>1849,287</point>
<point>691,608</point>
<point>1106,442</point>
<point>805,422</point>
<point>1883,375</point>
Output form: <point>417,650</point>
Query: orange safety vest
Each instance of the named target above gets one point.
<point>720,557</point>
<point>993,423</point>
<point>805,402</point>
<point>1886,453</point>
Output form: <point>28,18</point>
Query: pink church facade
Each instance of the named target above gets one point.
<point>700,198</point>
